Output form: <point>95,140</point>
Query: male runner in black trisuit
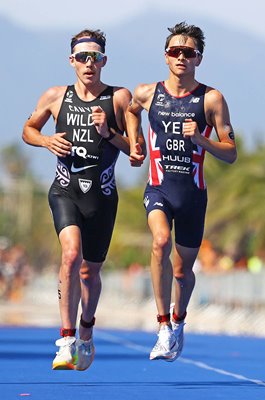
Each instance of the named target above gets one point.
<point>90,122</point>
<point>182,113</point>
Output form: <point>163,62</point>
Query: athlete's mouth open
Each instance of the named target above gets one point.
<point>89,74</point>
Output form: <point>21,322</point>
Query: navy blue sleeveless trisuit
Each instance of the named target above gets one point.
<point>176,183</point>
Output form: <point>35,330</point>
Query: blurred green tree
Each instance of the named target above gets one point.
<point>235,218</point>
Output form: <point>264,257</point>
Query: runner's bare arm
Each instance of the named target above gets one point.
<point>48,105</point>
<point>141,100</point>
<point>217,114</point>
<point>120,100</point>
<point>122,97</point>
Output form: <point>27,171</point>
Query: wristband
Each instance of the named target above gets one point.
<point>110,137</point>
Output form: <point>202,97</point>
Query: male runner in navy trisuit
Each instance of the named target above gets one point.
<point>90,122</point>
<point>182,113</point>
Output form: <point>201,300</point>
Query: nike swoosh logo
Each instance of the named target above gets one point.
<point>74,169</point>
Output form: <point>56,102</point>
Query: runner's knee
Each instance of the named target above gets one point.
<point>71,258</point>
<point>88,271</point>
<point>161,244</point>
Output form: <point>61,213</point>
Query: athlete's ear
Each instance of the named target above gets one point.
<point>105,59</point>
<point>72,61</point>
<point>199,60</point>
<point>166,58</point>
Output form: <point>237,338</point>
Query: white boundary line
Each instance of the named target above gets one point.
<point>131,345</point>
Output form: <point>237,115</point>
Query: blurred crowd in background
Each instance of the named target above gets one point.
<point>16,272</point>
<point>211,260</point>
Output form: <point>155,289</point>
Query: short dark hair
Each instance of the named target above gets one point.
<point>191,31</point>
<point>97,34</point>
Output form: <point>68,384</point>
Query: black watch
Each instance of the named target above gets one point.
<point>110,137</point>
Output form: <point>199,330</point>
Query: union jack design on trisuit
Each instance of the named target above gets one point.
<point>156,172</point>
<point>198,159</point>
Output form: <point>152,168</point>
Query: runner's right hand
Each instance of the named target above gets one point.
<point>136,156</point>
<point>58,145</point>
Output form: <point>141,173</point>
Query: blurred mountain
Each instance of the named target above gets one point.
<point>34,61</point>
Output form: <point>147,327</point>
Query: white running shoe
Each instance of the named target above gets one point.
<point>85,352</point>
<point>166,345</point>
<point>65,357</point>
<point>178,330</point>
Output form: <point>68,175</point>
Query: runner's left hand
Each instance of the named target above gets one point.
<point>190,130</point>
<point>99,118</point>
